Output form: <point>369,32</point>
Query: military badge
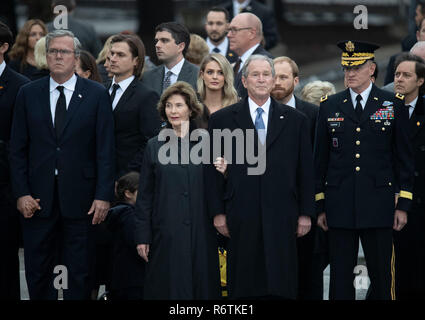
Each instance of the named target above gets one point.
<point>335,142</point>
<point>349,46</point>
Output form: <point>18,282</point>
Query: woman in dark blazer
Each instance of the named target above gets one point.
<point>174,234</point>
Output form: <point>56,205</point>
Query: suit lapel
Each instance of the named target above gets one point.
<point>373,103</point>
<point>243,117</point>
<point>3,81</point>
<point>45,104</point>
<point>276,122</point>
<point>75,102</point>
<point>417,119</point>
<point>347,106</point>
<point>128,93</point>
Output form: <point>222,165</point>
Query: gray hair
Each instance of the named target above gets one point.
<point>63,33</point>
<point>255,57</point>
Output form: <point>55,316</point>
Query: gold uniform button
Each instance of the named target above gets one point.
<point>358,142</point>
<point>383,128</point>
<point>357,155</point>
<point>333,130</point>
<point>389,183</point>
<point>357,169</point>
<point>358,129</point>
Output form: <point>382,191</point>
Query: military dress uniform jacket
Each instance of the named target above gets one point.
<point>361,164</point>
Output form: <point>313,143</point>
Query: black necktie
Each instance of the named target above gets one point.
<point>359,108</point>
<point>216,50</point>
<point>114,91</point>
<point>60,112</point>
<point>237,66</point>
<point>408,110</point>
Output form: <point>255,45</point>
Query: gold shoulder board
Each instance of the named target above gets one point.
<point>400,96</point>
<point>324,98</point>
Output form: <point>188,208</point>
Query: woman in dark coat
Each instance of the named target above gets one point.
<point>174,234</point>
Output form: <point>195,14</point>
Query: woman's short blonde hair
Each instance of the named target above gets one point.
<point>189,95</point>
<point>197,50</point>
<point>313,91</point>
<point>101,57</point>
<point>40,54</point>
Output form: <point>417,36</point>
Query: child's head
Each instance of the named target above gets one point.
<point>126,188</point>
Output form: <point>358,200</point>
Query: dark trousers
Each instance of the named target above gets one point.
<point>409,247</point>
<point>9,247</point>
<point>343,251</point>
<point>56,240</point>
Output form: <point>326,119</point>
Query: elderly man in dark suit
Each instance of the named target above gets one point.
<point>264,13</point>
<point>10,82</point>
<point>171,43</point>
<point>262,213</point>
<point>134,104</point>
<point>62,168</point>
<point>244,35</point>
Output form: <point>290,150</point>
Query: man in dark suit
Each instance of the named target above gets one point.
<point>263,212</point>
<point>310,278</point>
<point>216,26</point>
<point>134,104</point>
<point>363,157</point>
<point>83,31</point>
<point>244,35</point>
<point>409,243</point>
<point>62,169</point>
<point>10,82</point>
<point>264,13</point>
<point>171,42</point>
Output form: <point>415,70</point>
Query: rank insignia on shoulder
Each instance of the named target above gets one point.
<point>418,123</point>
<point>324,98</point>
<point>399,96</point>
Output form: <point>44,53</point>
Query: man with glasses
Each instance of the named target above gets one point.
<point>62,169</point>
<point>245,33</point>
<point>363,158</point>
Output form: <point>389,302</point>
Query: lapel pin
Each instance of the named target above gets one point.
<point>345,100</point>
<point>281,117</point>
<point>1,87</point>
<point>375,98</point>
<point>80,96</point>
<point>418,123</point>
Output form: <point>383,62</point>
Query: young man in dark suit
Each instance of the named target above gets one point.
<point>62,169</point>
<point>10,83</point>
<point>409,243</point>
<point>216,27</point>
<point>134,104</point>
<point>245,33</point>
<point>363,157</point>
<point>263,212</point>
<point>171,42</point>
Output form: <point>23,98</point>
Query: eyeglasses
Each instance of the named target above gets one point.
<point>54,52</point>
<point>233,30</point>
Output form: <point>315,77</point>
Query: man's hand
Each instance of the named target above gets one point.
<point>221,225</point>
<point>304,225</point>
<point>100,209</point>
<point>321,221</point>
<point>27,205</point>
<point>143,251</point>
<point>400,220</point>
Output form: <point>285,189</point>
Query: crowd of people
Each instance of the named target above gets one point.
<point>99,170</point>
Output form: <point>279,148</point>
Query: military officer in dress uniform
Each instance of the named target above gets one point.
<point>363,157</point>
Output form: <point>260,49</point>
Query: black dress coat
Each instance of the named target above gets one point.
<point>262,210</point>
<point>171,217</point>
<point>409,243</point>
<point>136,121</point>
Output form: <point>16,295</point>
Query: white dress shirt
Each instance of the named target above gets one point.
<point>222,46</point>
<point>2,67</point>
<point>253,111</point>
<point>120,91</point>
<point>364,94</point>
<point>247,54</point>
<point>69,88</point>
<point>291,102</point>
<point>412,107</point>
<point>175,70</point>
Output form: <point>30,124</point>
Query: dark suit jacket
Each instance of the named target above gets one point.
<point>231,55</point>
<point>85,33</point>
<point>265,14</point>
<point>136,121</point>
<point>310,111</point>
<point>10,82</point>
<point>83,153</point>
<point>262,210</point>
<point>154,78</point>
<point>238,78</point>
<point>363,197</point>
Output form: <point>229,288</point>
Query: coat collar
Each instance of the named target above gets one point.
<point>418,118</point>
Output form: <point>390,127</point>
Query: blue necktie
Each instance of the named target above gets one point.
<point>259,125</point>
<point>216,50</point>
